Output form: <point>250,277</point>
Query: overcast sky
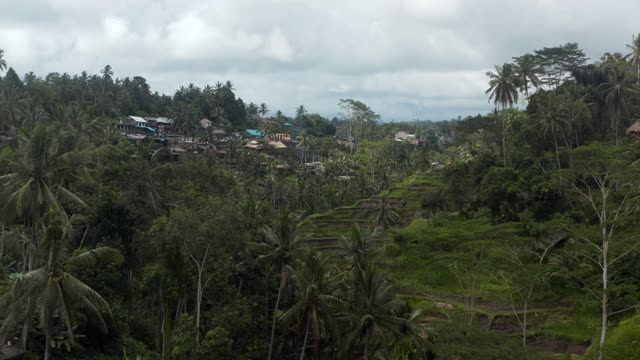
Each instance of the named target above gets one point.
<point>407,59</point>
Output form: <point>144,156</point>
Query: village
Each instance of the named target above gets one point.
<point>212,139</point>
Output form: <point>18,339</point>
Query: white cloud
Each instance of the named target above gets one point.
<point>405,58</point>
<point>278,47</point>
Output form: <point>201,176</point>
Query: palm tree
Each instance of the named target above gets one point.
<point>51,291</point>
<point>527,70</point>
<point>12,101</point>
<point>300,111</point>
<point>263,110</point>
<point>503,91</point>
<point>39,180</point>
<point>372,312</point>
<point>549,114</point>
<point>634,47</point>
<point>316,283</point>
<point>107,73</point>
<point>384,215</point>
<point>280,247</point>
<point>3,62</point>
<point>617,91</point>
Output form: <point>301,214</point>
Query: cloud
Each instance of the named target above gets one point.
<point>407,58</point>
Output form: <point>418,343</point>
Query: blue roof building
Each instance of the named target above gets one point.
<point>255,133</point>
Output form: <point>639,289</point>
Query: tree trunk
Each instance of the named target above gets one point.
<point>275,312</point>
<point>304,343</point>
<point>524,323</point>
<point>365,356</point>
<point>555,144</point>
<point>504,138</point>
<point>605,297</point>
<point>47,347</point>
<point>198,303</point>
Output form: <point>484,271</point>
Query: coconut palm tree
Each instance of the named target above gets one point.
<point>12,101</point>
<point>3,62</point>
<point>527,70</point>
<point>300,111</point>
<point>503,91</point>
<point>634,55</point>
<point>371,316</point>
<point>316,281</point>
<point>280,247</point>
<point>51,292</point>
<point>550,119</point>
<point>617,91</point>
<point>50,160</point>
<point>263,109</point>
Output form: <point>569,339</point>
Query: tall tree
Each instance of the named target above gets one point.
<point>300,111</point>
<point>503,91</point>
<point>280,247</point>
<point>3,62</point>
<point>550,119</point>
<point>316,281</point>
<point>634,55</point>
<point>618,91</point>
<point>263,109</point>
<point>54,291</point>
<point>527,72</point>
<point>604,181</point>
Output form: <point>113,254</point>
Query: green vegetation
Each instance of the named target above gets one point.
<point>510,235</point>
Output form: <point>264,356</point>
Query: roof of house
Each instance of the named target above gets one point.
<point>277,144</point>
<point>205,123</point>
<point>137,119</point>
<point>146,128</point>
<point>256,133</point>
<point>164,120</point>
<point>253,145</point>
<point>288,124</point>
<point>635,127</point>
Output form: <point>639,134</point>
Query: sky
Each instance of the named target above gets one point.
<point>406,59</point>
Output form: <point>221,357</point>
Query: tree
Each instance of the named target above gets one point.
<point>559,62</point>
<point>54,292</point>
<point>300,111</point>
<point>605,182</point>
<point>360,118</point>
<point>527,71</point>
<point>634,55</point>
<point>503,91</point>
<point>527,269</point>
<point>107,73</point>
<point>263,109</point>
<point>371,314</point>
<point>316,282</point>
<point>39,181</point>
<point>618,90</point>
<point>3,62</point>
<point>280,247</point>
<point>550,119</point>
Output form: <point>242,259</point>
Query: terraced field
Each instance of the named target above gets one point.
<point>325,230</point>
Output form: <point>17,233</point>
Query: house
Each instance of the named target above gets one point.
<point>277,144</point>
<point>255,133</point>
<point>634,130</point>
<point>137,120</point>
<point>404,136</point>
<point>151,122</point>
<point>282,137</point>
<point>254,145</point>
<point>205,123</point>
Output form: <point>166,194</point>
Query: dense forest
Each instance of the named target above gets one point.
<point>239,232</point>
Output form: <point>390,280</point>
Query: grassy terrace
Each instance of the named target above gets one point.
<point>418,255</point>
